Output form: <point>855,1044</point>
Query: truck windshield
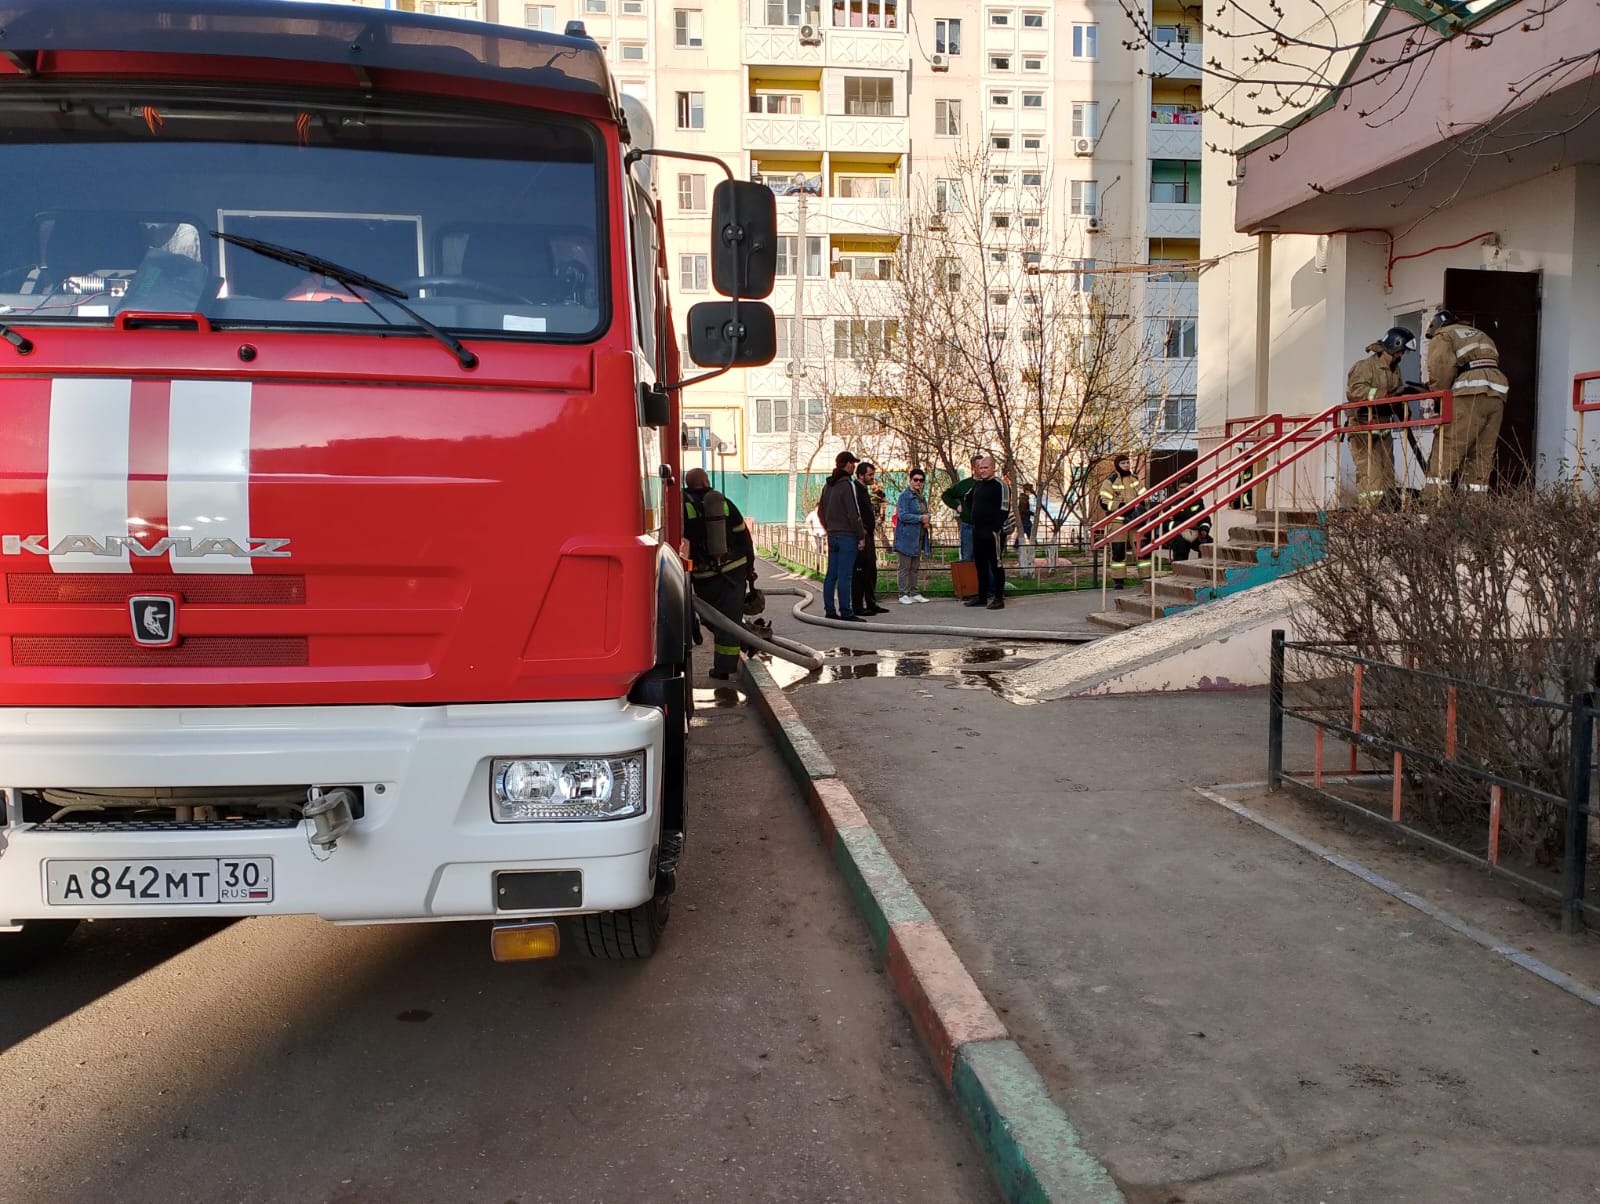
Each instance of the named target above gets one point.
<point>493,225</point>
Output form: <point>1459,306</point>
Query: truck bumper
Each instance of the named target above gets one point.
<point>426,848</point>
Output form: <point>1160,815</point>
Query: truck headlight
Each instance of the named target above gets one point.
<point>523,789</point>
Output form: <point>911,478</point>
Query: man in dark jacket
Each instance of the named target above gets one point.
<point>722,558</point>
<point>847,536</point>
<point>988,517</point>
<point>864,583</point>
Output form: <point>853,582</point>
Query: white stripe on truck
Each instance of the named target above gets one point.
<point>208,471</point>
<point>87,487</point>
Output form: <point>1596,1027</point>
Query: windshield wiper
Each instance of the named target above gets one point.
<point>352,280</point>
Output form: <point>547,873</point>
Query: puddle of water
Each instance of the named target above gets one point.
<point>718,697</point>
<point>979,666</point>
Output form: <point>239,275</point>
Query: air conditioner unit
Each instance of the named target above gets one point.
<point>1083,147</point>
<point>940,62</point>
<point>810,35</point>
<point>1093,225</point>
<point>936,222</point>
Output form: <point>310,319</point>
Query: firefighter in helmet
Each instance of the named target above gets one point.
<point>1116,491</point>
<point>1377,375</point>
<point>1464,360</point>
<point>722,561</point>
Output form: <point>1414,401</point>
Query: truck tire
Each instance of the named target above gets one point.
<point>631,935</point>
<point>32,944</point>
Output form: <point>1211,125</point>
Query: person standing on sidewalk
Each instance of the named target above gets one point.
<point>988,517</point>
<point>958,498</point>
<point>911,537</point>
<point>847,535</point>
<point>864,583</point>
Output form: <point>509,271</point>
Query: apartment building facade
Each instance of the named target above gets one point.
<point>851,110</point>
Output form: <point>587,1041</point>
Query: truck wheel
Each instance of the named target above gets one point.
<point>32,944</point>
<point>631,935</point>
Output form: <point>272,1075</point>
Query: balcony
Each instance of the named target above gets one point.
<point>1176,60</point>
<point>780,44</point>
<point>781,132</point>
<point>1171,299</point>
<point>879,49</point>
<point>1171,220</point>
<point>883,135</point>
<point>1174,141</point>
<point>849,215</point>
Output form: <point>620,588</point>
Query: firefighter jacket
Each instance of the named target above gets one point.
<point>1370,378</point>
<point>740,546</point>
<point>1117,490</point>
<point>1465,360</point>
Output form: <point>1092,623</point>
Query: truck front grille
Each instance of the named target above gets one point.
<point>199,589</point>
<point>119,652</point>
<point>166,808</point>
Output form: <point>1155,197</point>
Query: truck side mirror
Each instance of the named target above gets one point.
<point>744,239</point>
<point>716,342</point>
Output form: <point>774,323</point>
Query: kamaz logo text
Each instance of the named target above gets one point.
<point>181,547</point>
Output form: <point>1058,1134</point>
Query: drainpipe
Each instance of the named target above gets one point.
<point>1263,319</point>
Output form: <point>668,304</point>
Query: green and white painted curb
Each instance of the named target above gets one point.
<point>1034,1151</point>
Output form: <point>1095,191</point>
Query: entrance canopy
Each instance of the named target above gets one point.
<point>1496,104</point>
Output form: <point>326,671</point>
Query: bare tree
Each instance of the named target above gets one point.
<point>999,330</point>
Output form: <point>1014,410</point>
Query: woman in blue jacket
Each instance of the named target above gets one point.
<point>911,537</point>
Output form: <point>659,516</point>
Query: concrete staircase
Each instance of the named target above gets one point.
<point>1245,557</point>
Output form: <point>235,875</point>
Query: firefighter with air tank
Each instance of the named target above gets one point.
<point>1466,361</point>
<point>722,558</point>
<point>1377,375</point>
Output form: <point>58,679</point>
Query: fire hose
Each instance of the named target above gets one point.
<point>774,645</point>
<point>977,633</point>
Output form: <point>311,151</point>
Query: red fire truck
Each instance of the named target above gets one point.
<point>337,524</point>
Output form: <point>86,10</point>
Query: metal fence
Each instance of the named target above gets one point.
<point>1061,564</point>
<point>1453,763</point>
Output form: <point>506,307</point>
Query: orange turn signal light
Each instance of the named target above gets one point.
<point>525,941</point>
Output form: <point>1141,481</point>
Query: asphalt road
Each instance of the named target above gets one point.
<point>761,1056</point>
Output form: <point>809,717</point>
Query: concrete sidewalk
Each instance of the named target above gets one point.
<point>1225,1017</point>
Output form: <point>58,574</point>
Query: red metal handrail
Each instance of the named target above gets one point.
<point>1176,506</point>
<point>1273,420</point>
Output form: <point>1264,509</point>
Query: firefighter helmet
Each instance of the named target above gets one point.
<point>1441,317</point>
<point>1398,340</point>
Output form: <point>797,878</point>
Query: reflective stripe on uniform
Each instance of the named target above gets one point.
<point>727,567</point>
<point>1477,488</point>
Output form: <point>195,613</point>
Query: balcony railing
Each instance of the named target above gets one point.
<point>1173,220</point>
<point>1174,141</point>
<point>782,132</point>
<point>1177,60</point>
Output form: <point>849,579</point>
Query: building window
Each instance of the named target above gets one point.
<point>856,339</point>
<point>999,16</point>
<point>949,274</point>
<point>1032,258</point>
<point>772,416</point>
<point>540,16</point>
<point>1001,179</point>
<point>691,193</point>
<point>947,36</point>
<point>1001,221</point>
<point>1033,20</point>
<point>864,188</point>
<point>1000,142</point>
<point>868,96</point>
<point>633,52</point>
<point>997,256</point>
<point>1032,222</point>
<point>688,28</point>
<point>999,62</point>
<point>1033,100</point>
<point>1033,179</point>
<point>1084,201</point>
<point>694,273</point>
<point>788,103</point>
<point>1175,181</point>
<point>1080,275</point>
<point>788,12</point>
<point>1032,143</point>
<point>789,348</point>
<point>1085,42</point>
<point>864,267</point>
<point>1086,119</point>
<point>1000,100</point>
<point>947,196</point>
<point>1033,64</point>
<point>1172,415</point>
<point>1000,300</point>
<point>789,252</point>
<point>633,8</point>
<point>596,6</point>
<point>947,118</point>
<point>691,110</point>
<point>1179,340</point>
